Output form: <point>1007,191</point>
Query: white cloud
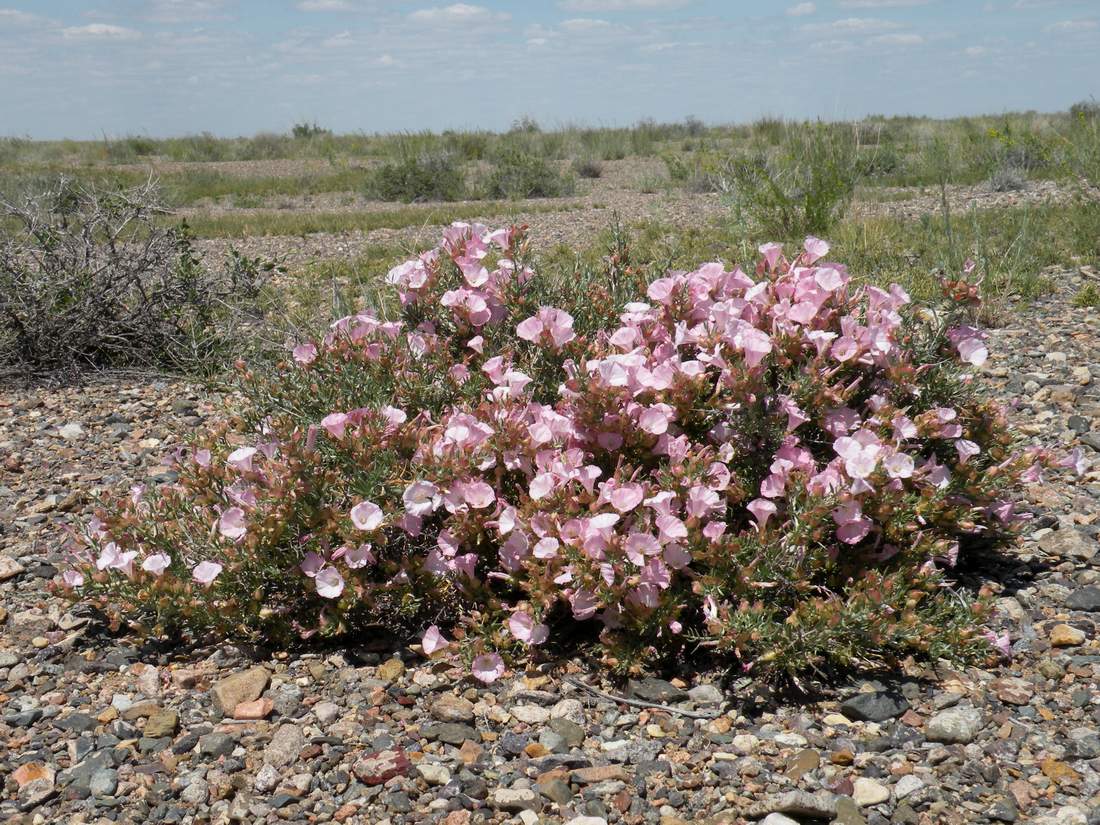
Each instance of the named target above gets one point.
<point>1044,4</point>
<point>99,31</point>
<point>853,25</point>
<point>340,40</point>
<point>385,60</point>
<point>324,5</point>
<point>899,39</point>
<point>801,10</point>
<point>620,5</point>
<point>881,4</point>
<point>975,51</point>
<point>184,11</point>
<point>584,24</point>
<point>18,18</point>
<point>456,13</point>
<point>1071,26</point>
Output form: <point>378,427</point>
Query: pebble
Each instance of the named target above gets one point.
<point>1064,635</point>
<point>956,725</point>
<point>867,792</point>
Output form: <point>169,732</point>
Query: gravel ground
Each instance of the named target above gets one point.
<point>106,729</point>
<point>589,211</point>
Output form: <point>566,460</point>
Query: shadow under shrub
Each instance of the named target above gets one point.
<point>772,464</point>
<point>90,279</point>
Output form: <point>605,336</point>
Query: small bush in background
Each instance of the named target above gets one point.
<point>589,168</point>
<point>518,174</point>
<point>1087,296</point>
<point>804,189</point>
<point>90,279</point>
<point>1008,178</point>
<point>434,176</point>
<point>306,131</point>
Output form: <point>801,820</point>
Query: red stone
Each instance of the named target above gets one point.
<point>376,768</point>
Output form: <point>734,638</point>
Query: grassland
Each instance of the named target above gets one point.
<point>900,199</point>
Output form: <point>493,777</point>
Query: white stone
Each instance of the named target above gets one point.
<point>434,773</point>
<point>531,714</point>
<point>869,792</point>
<point>907,785</point>
<point>70,432</point>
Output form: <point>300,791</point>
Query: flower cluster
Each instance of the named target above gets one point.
<point>773,463</point>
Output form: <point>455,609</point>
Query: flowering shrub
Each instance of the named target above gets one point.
<point>774,464</point>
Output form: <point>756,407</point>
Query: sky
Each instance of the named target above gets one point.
<point>238,67</point>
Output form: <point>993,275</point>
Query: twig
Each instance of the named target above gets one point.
<point>638,703</point>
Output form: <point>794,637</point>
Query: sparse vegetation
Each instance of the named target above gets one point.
<point>519,174</point>
<point>423,177</point>
<point>89,279</point>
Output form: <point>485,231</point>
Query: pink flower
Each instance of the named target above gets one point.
<point>433,640</point>
<point>1001,642</point>
<point>478,494</point>
<point>311,565</point>
<point>329,583</point>
<point>335,424</point>
<point>357,557</point>
<point>206,571</point>
<point>771,253</point>
<point>626,497</point>
<point>488,667</point>
<point>966,450</point>
<point>762,510</point>
<point>654,420</point>
<point>852,525</point>
<point>421,498</point>
<point>203,457</point>
<point>640,545</point>
<point>584,604</point>
<point>232,524</point>
<point>861,454</point>
<point>899,465</point>
<point>1076,461</point>
<point>815,249</point>
<point>305,354</point>
<point>524,628</point>
<point>367,516</point>
<point>241,459</point>
<point>546,548</point>
<point>72,578</point>
<point>156,563</point>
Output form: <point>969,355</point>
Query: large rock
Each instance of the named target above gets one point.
<point>240,687</point>
<point>877,706</point>
<point>451,733</point>
<point>162,723</point>
<point>284,746</point>
<point>959,725</point>
<point>820,805</point>
<point>381,766</point>
<point>1084,598</point>
<point>655,690</point>
<point>452,708</point>
<point>514,800</point>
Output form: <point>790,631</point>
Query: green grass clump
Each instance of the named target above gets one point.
<point>418,178</point>
<point>517,174</point>
<point>1087,296</point>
